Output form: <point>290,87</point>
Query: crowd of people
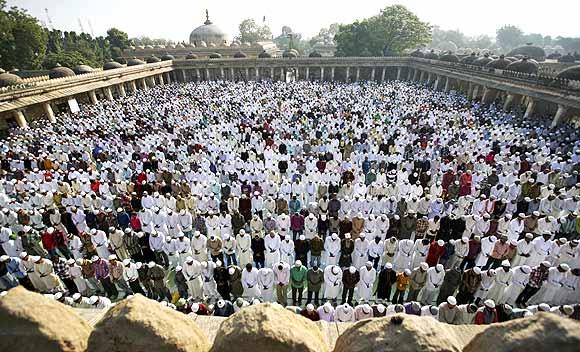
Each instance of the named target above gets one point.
<point>341,201</point>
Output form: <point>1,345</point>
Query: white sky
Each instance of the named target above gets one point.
<point>173,19</point>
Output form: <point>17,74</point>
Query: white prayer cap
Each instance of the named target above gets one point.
<point>439,267</point>
<point>389,266</point>
<point>298,263</point>
<point>112,257</point>
<point>138,265</point>
<point>347,235</point>
<point>151,264</point>
<point>126,261</point>
<point>380,308</point>
<point>441,243</point>
<point>4,258</point>
<point>310,307</point>
<point>70,261</point>
<point>334,236</point>
<point>195,307</point>
<point>302,238</point>
<point>93,299</point>
<point>568,310</point>
<point>94,258</point>
<point>529,235</point>
<point>424,266</point>
<point>23,255</point>
<point>526,269</point>
<point>489,303</point>
<point>50,230</point>
<point>543,307</point>
<point>352,269</point>
<point>58,296</point>
<point>221,303</point>
<point>451,300</point>
<point>189,259</point>
<point>477,270</point>
<point>366,308</point>
<point>464,239</point>
<point>407,272</point>
<point>231,271</point>
<point>492,238</point>
<point>546,263</point>
<point>76,296</point>
<point>506,263</point>
<point>564,266</point>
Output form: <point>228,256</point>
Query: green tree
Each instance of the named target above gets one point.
<point>509,37</point>
<point>22,39</point>
<point>251,32</point>
<point>480,41</point>
<point>534,38</point>
<point>392,31</point>
<point>118,38</point>
<point>66,59</point>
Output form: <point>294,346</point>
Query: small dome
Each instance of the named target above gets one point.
<point>215,56</point>
<point>432,56</point>
<point>235,44</point>
<point>121,60</point>
<point>264,55</point>
<point>179,46</point>
<point>289,54</point>
<point>247,44</point>
<point>152,59</point>
<point>140,47</point>
<point>240,55</point>
<point>111,65</point>
<point>8,79</point>
<point>499,64</point>
<point>482,61</point>
<point>449,57</point>
<point>134,62</point>
<point>191,56</point>
<point>572,73</point>
<point>417,53</point>
<point>159,46</point>
<point>82,69</point>
<point>315,54</point>
<point>468,60</point>
<point>167,57</point>
<point>212,45</point>
<point>569,58</point>
<point>529,50</point>
<point>524,65</point>
<point>511,58</point>
<point>59,72</point>
<point>201,44</point>
<point>149,47</point>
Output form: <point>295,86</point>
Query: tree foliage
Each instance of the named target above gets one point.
<point>509,37</point>
<point>392,31</point>
<point>325,35</point>
<point>251,32</point>
<point>118,38</point>
<point>150,41</point>
<point>77,48</point>
<point>22,39</point>
<point>283,40</point>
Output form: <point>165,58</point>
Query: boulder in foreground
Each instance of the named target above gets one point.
<point>31,322</point>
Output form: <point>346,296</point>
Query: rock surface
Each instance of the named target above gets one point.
<point>268,327</point>
<point>405,333</point>
<point>32,322</point>
<point>140,324</point>
<point>538,333</point>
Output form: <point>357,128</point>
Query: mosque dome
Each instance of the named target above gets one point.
<point>501,63</point>
<point>167,57</point>
<point>9,79</point>
<point>431,55</point>
<point>292,53</point>
<point>59,72</point>
<point>134,62</point>
<point>264,55</point>
<point>449,57</point>
<point>468,60</point>
<point>567,58</point>
<point>215,56</point>
<point>572,73</point>
<point>152,59</point>
<point>529,50</point>
<point>482,61</point>
<point>240,55</point>
<point>208,33</point>
<point>191,56</point>
<point>82,69</point>
<point>524,65</point>
<point>315,54</point>
<point>111,65</point>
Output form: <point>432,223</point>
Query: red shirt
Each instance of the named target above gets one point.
<point>48,241</point>
<point>435,252</point>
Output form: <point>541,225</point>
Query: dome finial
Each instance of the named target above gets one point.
<point>207,21</point>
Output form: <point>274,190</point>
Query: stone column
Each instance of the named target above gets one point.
<point>133,86</point>
<point>152,82</point>
<point>409,74</point>
<point>429,78</point>
<point>560,115</point>
<point>108,93</point>
<point>144,83</point>
<point>183,76</point>
<point>161,81</point>
<point>49,113</point>
<point>247,73</point>
<point>322,73</point>
<point>307,74</point>
<point>121,89</point>
<point>257,73</point>
<point>232,74</point>
<point>282,78</point>
<point>198,74</point>
<point>489,95</point>
<point>207,75</point>
<point>373,74</point>
<point>168,77</point>
<point>347,74</point>
<point>357,74</point>
<point>530,108</point>
<point>475,94</point>
<point>383,74</point>
<point>93,97</point>
<point>509,100</point>
<point>398,73</point>
<point>422,78</point>
<point>416,75</point>
<point>446,89</point>
<point>272,73</point>
<point>221,73</point>
<point>332,73</point>
<point>20,119</point>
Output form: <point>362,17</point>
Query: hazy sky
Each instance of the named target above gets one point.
<point>174,20</point>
